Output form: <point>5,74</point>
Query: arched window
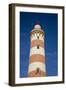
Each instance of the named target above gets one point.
<point>37,46</point>
<point>38,37</point>
<point>37,70</point>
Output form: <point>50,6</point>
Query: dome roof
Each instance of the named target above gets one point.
<point>37,26</point>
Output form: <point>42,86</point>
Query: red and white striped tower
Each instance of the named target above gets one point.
<point>37,53</point>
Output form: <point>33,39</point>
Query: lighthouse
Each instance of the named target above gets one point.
<point>37,66</point>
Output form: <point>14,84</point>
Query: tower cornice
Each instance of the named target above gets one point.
<point>37,31</point>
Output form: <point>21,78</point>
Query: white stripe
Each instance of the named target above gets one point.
<point>33,66</point>
<point>34,50</point>
<point>34,37</point>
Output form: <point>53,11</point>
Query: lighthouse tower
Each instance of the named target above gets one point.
<point>37,53</point>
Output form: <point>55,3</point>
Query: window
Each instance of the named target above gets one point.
<point>37,70</point>
<point>38,37</point>
<point>37,46</point>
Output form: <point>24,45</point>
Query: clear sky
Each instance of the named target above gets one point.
<point>49,24</point>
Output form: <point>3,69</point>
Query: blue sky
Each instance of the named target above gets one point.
<point>49,24</point>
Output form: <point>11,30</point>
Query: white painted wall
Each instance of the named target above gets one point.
<point>34,50</point>
<point>33,66</point>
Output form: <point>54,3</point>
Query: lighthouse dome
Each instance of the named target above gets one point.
<point>37,26</point>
